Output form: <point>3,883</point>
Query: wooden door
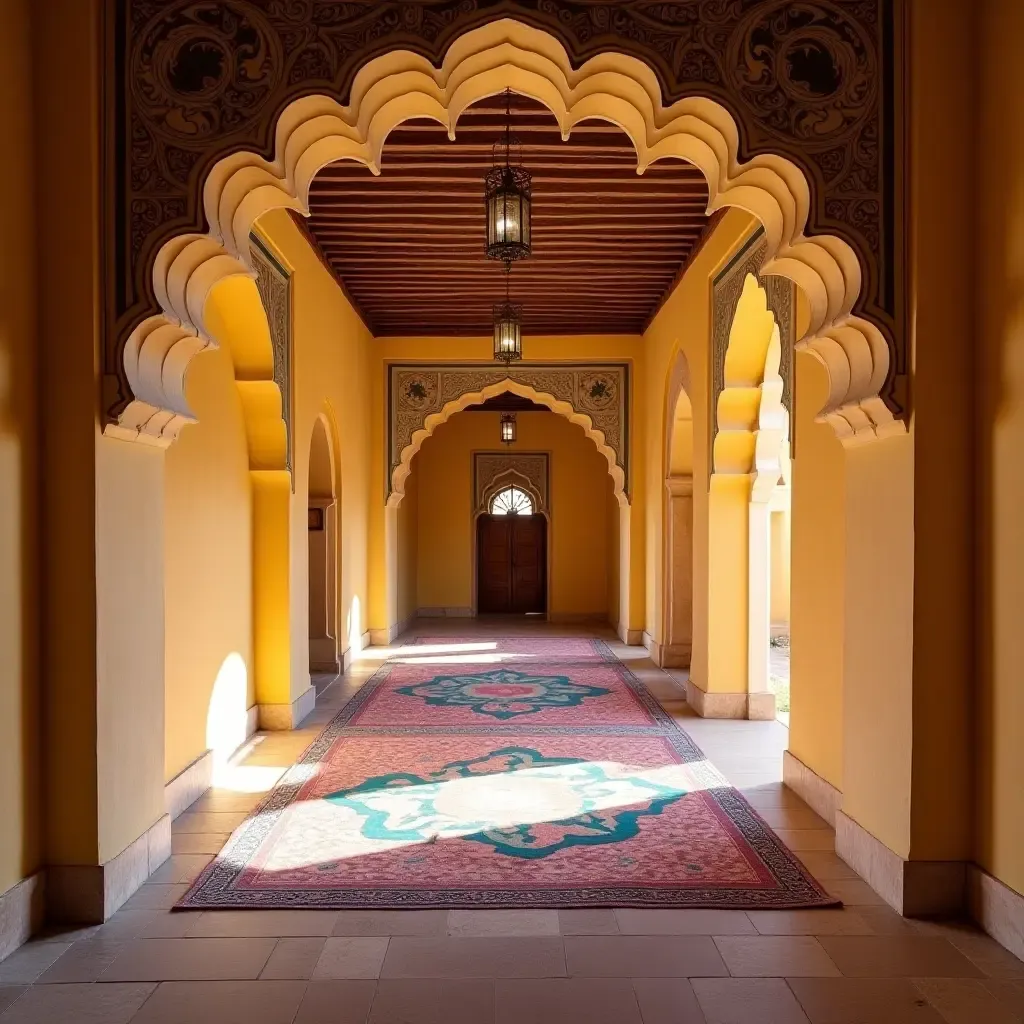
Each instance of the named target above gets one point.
<point>511,564</point>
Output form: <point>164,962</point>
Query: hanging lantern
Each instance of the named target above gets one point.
<point>508,332</point>
<point>508,427</point>
<point>507,197</point>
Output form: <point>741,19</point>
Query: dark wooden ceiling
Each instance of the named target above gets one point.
<point>408,245</point>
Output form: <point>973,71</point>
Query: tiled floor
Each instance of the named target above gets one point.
<point>859,965</point>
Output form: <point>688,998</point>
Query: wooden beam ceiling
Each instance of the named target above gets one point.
<point>408,245</point>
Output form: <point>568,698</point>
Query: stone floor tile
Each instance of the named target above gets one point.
<point>519,957</point>
<point>854,893</point>
<point>863,1001</point>
<point>642,956</point>
<point>181,867</point>
<point>9,993</point>
<point>982,950</point>
<point>336,1002</point>
<point>351,958</point>
<point>793,817</point>
<point>154,896</point>
<point>683,922</point>
<point>885,921</point>
<point>432,1001</point>
<point>198,842</point>
<point>391,922</point>
<point>190,960</point>
<point>85,961</point>
<point>1009,993</point>
<point>208,821</point>
<point>219,800</point>
<point>557,1000</point>
<point>667,1001</point>
<point>294,959</point>
<point>897,956</point>
<point>826,866</point>
<point>270,923</point>
<point>747,1001</point>
<point>147,924</point>
<point>80,1004</point>
<point>222,1002</point>
<point>502,922</point>
<point>27,962</point>
<point>587,922</point>
<point>965,1001</point>
<point>66,933</point>
<point>810,922</point>
<point>818,839</point>
<point>775,956</point>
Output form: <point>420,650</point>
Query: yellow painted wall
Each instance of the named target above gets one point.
<point>607,348</point>
<point>332,363</point>
<point>684,322</point>
<point>999,349</point>
<point>20,838</point>
<point>408,549</point>
<point>208,545</point>
<point>780,565</point>
<point>578,527</point>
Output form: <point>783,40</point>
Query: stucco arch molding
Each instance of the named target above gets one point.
<point>315,131</point>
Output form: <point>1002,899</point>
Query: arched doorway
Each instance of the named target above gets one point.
<point>511,556</point>
<point>678,522</point>
<point>323,553</point>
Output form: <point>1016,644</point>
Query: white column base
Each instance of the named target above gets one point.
<point>22,911</point>
<point>822,797</point>
<point>280,717</point>
<point>92,893</point>
<point>758,707</point>
<point>913,888</point>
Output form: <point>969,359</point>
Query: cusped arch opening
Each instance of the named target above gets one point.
<point>315,131</point>
<point>401,472</point>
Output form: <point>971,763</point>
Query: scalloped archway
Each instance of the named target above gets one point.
<point>401,472</point>
<point>315,131</point>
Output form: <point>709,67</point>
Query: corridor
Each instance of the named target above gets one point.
<point>861,963</point>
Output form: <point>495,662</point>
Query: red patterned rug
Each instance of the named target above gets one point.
<point>507,773</point>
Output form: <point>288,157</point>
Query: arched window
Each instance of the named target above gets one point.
<point>511,502</point>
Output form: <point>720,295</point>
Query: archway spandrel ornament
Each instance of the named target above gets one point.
<point>812,80</point>
<point>595,395</point>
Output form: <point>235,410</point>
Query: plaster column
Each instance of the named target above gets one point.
<point>759,599</point>
<point>282,701</point>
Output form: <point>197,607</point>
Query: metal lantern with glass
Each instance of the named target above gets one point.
<point>508,427</point>
<point>507,201</point>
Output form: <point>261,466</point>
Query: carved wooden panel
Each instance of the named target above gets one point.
<point>494,470</point>
<point>726,290</point>
<point>274,285</point>
<point>817,81</point>
<point>599,390</point>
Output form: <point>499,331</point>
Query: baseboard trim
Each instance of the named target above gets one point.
<point>997,908</point>
<point>280,717</point>
<point>654,649</point>
<point>913,888</point>
<point>386,637</point>
<point>22,912</point>
<point>195,779</point>
<point>92,893</point>
<point>443,613</point>
<point>820,795</point>
<point>188,785</point>
<point>759,707</point>
<point>630,637</point>
<point>675,655</point>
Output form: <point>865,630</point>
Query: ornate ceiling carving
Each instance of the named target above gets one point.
<point>813,80</point>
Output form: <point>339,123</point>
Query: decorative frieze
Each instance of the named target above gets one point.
<point>599,391</point>
<point>493,471</point>
<point>274,284</point>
